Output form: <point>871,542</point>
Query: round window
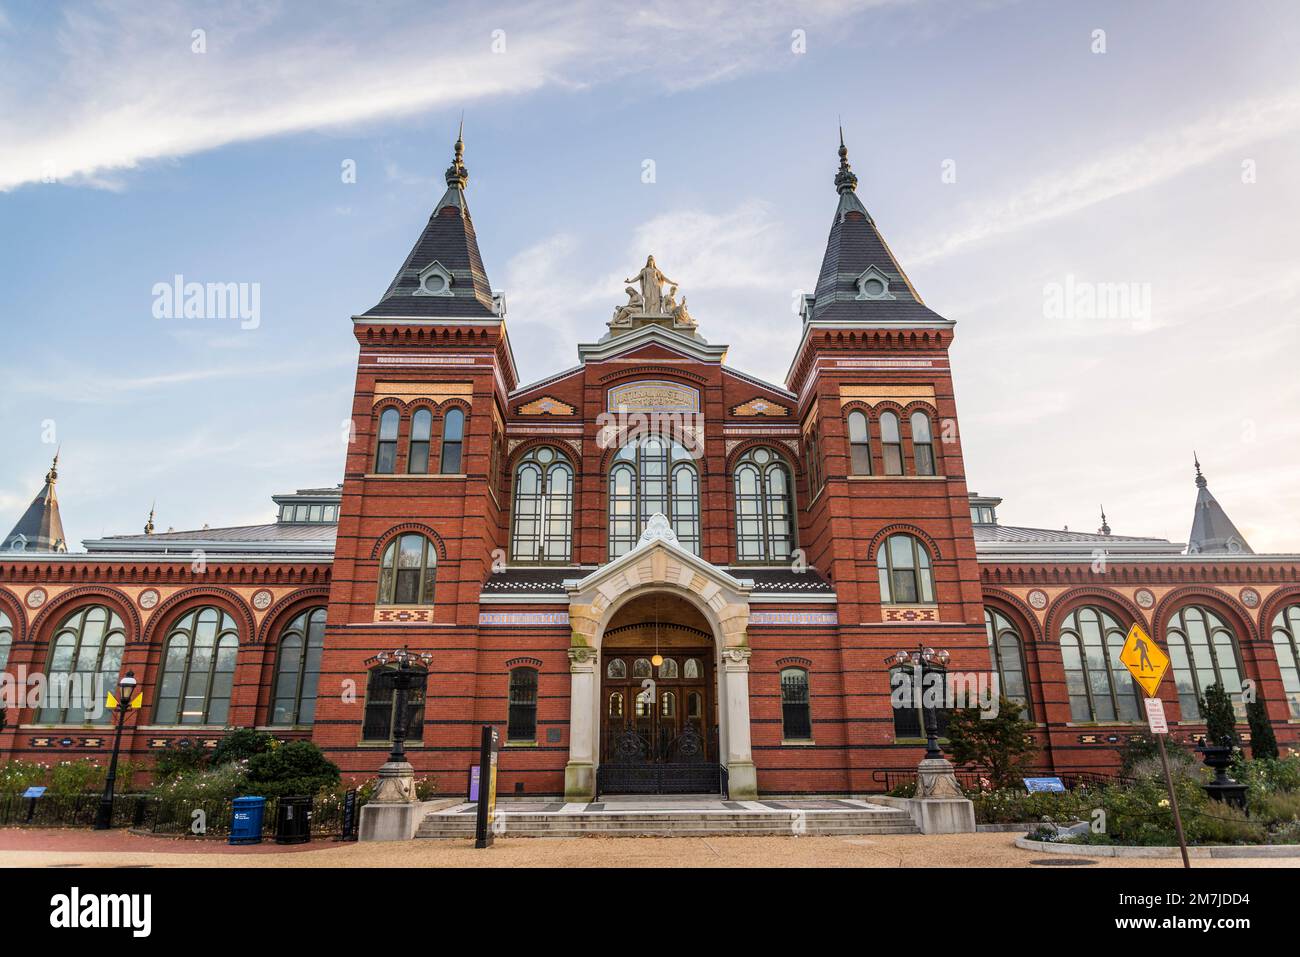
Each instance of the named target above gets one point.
<point>761,456</point>
<point>545,455</point>
<point>873,287</point>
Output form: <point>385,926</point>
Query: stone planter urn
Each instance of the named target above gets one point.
<point>1223,788</point>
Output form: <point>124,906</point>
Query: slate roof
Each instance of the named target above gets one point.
<point>550,580</point>
<point>854,245</point>
<point>1212,531</point>
<point>449,240</point>
<point>314,538</point>
<point>40,529</point>
<point>1000,541</point>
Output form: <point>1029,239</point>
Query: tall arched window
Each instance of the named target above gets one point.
<point>764,513</point>
<point>904,567</point>
<point>1286,645</point>
<point>1100,687</point>
<point>922,444</point>
<point>543,507</point>
<point>812,454</point>
<point>859,444</point>
<point>6,639</point>
<point>386,449</point>
<point>647,476</point>
<point>521,721</point>
<point>1007,652</point>
<point>297,668</point>
<point>796,713</point>
<point>891,443</point>
<point>1202,651</point>
<point>198,668</point>
<point>85,657</point>
<point>417,459</point>
<point>381,706</point>
<point>406,572</point>
<point>453,440</point>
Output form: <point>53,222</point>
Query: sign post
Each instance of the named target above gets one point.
<point>487,789</point>
<point>1148,664</point>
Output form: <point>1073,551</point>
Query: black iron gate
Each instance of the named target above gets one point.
<point>634,762</point>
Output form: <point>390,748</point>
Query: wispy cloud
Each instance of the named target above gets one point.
<point>143,81</point>
<point>1159,158</point>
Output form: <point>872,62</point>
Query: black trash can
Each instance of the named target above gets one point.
<point>293,820</point>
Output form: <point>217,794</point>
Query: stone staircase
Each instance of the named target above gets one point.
<point>781,819</point>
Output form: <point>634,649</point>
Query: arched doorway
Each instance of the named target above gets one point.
<point>658,700</point>
<point>704,598</point>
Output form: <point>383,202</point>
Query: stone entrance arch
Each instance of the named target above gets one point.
<point>659,564</point>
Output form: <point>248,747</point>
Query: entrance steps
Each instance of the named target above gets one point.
<point>663,818</point>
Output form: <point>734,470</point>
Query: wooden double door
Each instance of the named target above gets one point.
<point>658,713</point>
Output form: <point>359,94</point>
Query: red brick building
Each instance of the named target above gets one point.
<point>650,571</point>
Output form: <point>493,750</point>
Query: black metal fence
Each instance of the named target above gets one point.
<point>143,812</point>
<point>976,780</point>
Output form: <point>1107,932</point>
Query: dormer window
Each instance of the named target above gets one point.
<point>435,280</point>
<point>873,284</point>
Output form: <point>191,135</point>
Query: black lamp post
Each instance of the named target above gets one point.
<point>404,679</point>
<point>927,661</point>
<point>125,691</point>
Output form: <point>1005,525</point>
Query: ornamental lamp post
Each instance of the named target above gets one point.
<point>927,661</point>
<point>126,701</point>
<point>396,779</point>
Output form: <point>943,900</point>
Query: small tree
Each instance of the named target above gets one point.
<point>299,767</point>
<point>1001,743</point>
<point>240,744</point>
<point>1220,718</point>
<point>1263,744</point>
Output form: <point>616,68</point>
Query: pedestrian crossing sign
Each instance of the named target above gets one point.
<point>1144,660</point>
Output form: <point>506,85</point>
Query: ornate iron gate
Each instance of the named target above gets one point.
<point>638,763</point>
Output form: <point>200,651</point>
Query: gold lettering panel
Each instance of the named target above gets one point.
<point>653,396</point>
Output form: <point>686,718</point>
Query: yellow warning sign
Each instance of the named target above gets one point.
<point>1144,660</point>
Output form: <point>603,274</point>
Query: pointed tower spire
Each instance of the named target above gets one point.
<point>41,528</point>
<point>1212,530</point>
<point>860,280</point>
<point>443,275</point>
<point>148,525</point>
<point>1105,529</point>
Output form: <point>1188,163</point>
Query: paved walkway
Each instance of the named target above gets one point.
<point>70,849</point>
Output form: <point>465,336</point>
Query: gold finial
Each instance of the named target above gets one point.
<point>52,475</point>
<point>845,180</point>
<point>148,525</point>
<point>457,174</point>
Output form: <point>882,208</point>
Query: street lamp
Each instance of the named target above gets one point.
<point>125,692</point>
<point>928,661</point>
<point>404,679</point>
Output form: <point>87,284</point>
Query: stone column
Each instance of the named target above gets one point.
<point>741,778</point>
<point>580,772</point>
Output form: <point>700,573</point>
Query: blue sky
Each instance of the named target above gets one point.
<point>1165,164</point>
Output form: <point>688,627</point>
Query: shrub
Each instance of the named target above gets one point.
<point>202,785</point>
<point>1220,718</point>
<point>1142,748</point>
<point>184,757</point>
<point>17,776</point>
<point>1263,743</point>
<point>77,777</point>
<point>299,767</point>
<point>1002,743</point>
<point>1014,806</point>
<point>1267,776</point>
<point>1276,808</point>
<point>241,744</point>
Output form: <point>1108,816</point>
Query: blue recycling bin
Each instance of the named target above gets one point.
<point>246,820</point>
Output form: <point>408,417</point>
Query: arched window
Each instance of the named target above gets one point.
<point>891,443</point>
<point>796,713</point>
<point>616,668</point>
<point>297,668</point>
<point>616,704</point>
<point>6,639</point>
<point>647,476</point>
<point>406,572</point>
<point>543,507</point>
<point>1006,651</point>
<point>386,450</point>
<point>85,657</point>
<point>417,459</point>
<point>922,444</point>
<point>904,567</point>
<point>453,439</point>
<point>1202,651</point>
<point>521,724</point>
<point>668,669</point>
<point>381,706</point>
<point>1286,645</point>
<point>1100,687</point>
<point>859,444</point>
<point>692,668</point>
<point>198,669</point>
<point>641,668</point>
<point>764,513</point>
